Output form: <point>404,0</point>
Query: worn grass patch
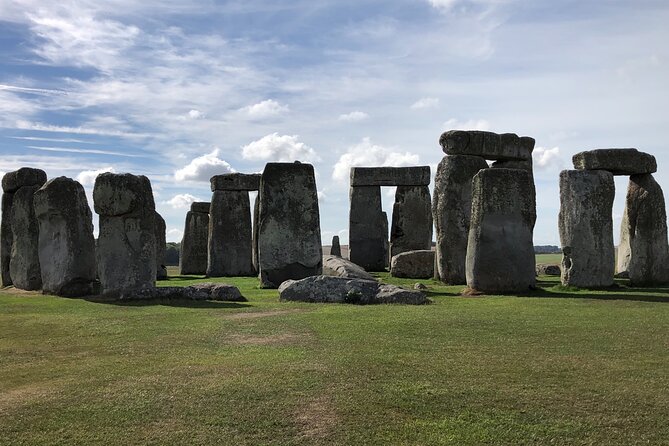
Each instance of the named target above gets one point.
<point>555,366</point>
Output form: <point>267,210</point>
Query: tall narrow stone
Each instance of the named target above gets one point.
<point>451,210</point>
<point>386,242</point>
<point>6,238</point>
<point>193,258</point>
<point>643,251</point>
<point>411,228</point>
<point>160,228</point>
<point>586,228</point>
<point>289,234</point>
<point>500,252</point>
<point>335,249</point>
<point>256,215</point>
<point>66,243</point>
<point>126,253</point>
<point>367,236</point>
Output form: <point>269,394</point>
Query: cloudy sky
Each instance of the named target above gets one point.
<point>180,91</point>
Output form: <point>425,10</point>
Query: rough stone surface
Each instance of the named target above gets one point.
<point>25,176</point>
<point>514,164</point>
<point>66,245</point>
<point>643,251</point>
<point>230,235</point>
<point>413,264</point>
<point>161,246</point>
<point>6,238</point>
<point>202,291</point>
<point>327,289</point>
<point>200,206</point>
<point>220,291</point>
<point>335,248</point>
<point>500,252</point>
<point>488,145</point>
<point>235,181</point>
<point>616,161</point>
<point>256,214</point>
<point>390,176</point>
<point>289,232</point>
<point>24,265</point>
<point>586,228</point>
<point>411,227</point>
<point>126,254</point>
<point>386,241</point>
<point>338,267</point>
<point>548,269</point>
<point>193,255</point>
<point>451,210</point>
<point>368,229</point>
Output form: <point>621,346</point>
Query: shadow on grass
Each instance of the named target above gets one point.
<point>181,303</point>
<point>619,291</point>
<point>181,278</point>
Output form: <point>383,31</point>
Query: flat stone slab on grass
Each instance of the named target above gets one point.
<point>390,176</point>
<point>326,289</point>
<point>336,266</point>
<point>417,264</point>
<point>616,161</point>
<point>488,145</point>
<point>548,269</point>
<point>200,291</point>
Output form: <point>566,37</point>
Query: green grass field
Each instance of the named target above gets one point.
<point>553,367</point>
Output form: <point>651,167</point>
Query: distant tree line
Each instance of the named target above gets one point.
<point>547,249</point>
<point>172,251</point>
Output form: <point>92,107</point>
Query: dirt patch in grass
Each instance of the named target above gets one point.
<point>19,292</point>
<point>317,418</point>
<point>259,314</point>
<point>25,395</point>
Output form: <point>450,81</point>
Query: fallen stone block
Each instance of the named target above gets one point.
<point>413,264</point>
<point>339,267</point>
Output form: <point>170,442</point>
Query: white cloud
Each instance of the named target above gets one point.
<point>87,177</point>
<point>443,4</point>
<point>265,109</point>
<point>425,103</point>
<point>471,124</point>
<point>181,201</point>
<point>203,168</point>
<point>547,158</point>
<point>275,147</point>
<point>354,116</point>
<point>366,153</point>
<point>195,114</point>
<point>174,235</point>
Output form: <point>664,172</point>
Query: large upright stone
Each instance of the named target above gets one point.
<point>25,176</point>
<point>256,215</point>
<point>390,176</point>
<point>488,145</point>
<point>6,238</point>
<point>643,251</point>
<point>126,253</point>
<point>66,243</point>
<point>335,249</point>
<point>451,211</point>
<point>616,161</point>
<point>161,246</point>
<point>368,229</point>
<point>289,234</point>
<point>230,242</point>
<point>500,252</point>
<point>193,256</point>
<point>411,228</point>
<point>586,228</point>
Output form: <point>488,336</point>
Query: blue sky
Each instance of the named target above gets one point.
<point>181,91</point>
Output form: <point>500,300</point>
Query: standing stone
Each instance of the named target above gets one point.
<point>193,256</point>
<point>586,228</point>
<point>335,249</point>
<point>230,242</point>
<point>6,238</point>
<point>66,243</point>
<point>643,251</point>
<point>500,252</point>
<point>161,242</point>
<point>126,254</point>
<point>451,210</point>
<point>411,228</point>
<point>256,214</point>
<point>386,241</point>
<point>289,234</point>
<point>367,235</point>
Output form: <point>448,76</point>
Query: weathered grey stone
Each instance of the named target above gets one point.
<point>368,229</point>
<point>390,176</point>
<point>6,238</point>
<point>256,215</point>
<point>289,232</point>
<point>66,245</point>
<point>643,251</point>
<point>411,227</point>
<point>24,266</point>
<point>488,145</point>
<point>235,181</point>
<point>514,164</point>
<point>386,241</point>
<point>220,291</point>
<point>500,252</point>
<point>200,206</point>
<point>616,161</point>
<point>338,267</point>
<point>548,269</point>
<point>230,244</point>
<point>586,228</point>
<point>413,264</point>
<point>194,244</point>
<point>161,246</point>
<point>126,254</point>
<point>201,291</point>
<point>419,286</point>
<point>327,289</point>
<point>25,176</point>
<point>451,210</point>
<point>335,249</point>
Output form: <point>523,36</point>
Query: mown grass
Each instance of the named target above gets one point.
<point>553,367</point>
